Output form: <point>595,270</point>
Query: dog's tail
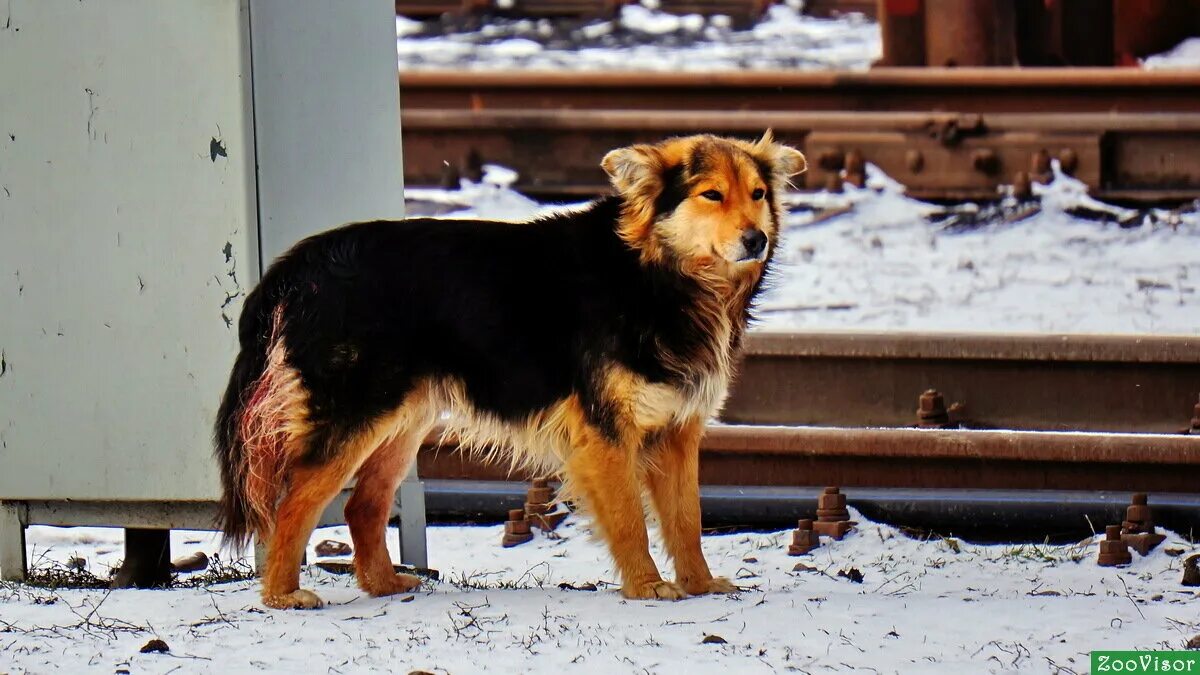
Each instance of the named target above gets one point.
<point>258,416</point>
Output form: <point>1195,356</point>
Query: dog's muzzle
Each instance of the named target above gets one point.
<point>754,245</point>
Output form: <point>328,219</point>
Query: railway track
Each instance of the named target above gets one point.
<point>946,133</point>
<point>1094,413</point>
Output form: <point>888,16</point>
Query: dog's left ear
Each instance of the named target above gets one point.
<point>632,169</point>
<point>787,160</point>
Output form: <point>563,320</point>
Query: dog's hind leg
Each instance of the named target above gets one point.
<point>673,479</point>
<point>606,475</point>
<point>368,509</point>
<point>311,488</point>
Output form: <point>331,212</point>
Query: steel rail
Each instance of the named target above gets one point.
<point>555,139</point>
<point>1115,383</point>
<point>979,90</point>
<point>911,458</point>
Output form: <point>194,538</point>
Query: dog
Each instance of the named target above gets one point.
<point>595,343</point>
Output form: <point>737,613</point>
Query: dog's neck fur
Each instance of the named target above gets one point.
<point>721,302</point>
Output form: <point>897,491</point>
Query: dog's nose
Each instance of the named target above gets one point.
<point>754,241</point>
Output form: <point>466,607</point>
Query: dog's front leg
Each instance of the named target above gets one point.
<point>606,476</point>
<point>673,479</point>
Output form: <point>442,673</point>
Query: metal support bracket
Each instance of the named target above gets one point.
<point>13,564</point>
<point>410,499</point>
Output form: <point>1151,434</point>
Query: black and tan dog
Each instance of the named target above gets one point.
<point>596,342</point>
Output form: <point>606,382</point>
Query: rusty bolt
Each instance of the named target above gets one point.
<point>1138,517</point>
<point>1039,167</point>
<point>1196,419</point>
<point>1039,162</point>
<point>831,160</point>
<point>473,166</point>
<point>833,183</point>
<point>804,539</point>
<point>538,498</point>
<point>833,520</point>
<point>1068,161</point>
<point>985,160</point>
<point>931,410</point>
<point>1022,186</point>
<point>1113,551</point>
<point>914,160</point>
<point>450,177</point>
<point>855,162</point>
<point>516,530</point>
<point>831,506</point>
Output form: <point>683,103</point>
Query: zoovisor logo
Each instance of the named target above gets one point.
<point>1146,662</point>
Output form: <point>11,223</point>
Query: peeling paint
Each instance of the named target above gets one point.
<point>3,363</point>
<point>216,149</point>
<point>141,285</point>
<point>230,296</point>
<point>92,110</point>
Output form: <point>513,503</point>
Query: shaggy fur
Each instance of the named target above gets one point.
<point>594,342</point>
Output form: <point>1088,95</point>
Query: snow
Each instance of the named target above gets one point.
<point>929,606</point>
<point>893,262</point>
<point>641,37</point>
<point>1183,56</point>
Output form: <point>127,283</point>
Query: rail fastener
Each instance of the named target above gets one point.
<point>931,410</point>
<point>540,508</point>
<point>1113,550</point>
<point>804,538</point>
<point>833,520</point>
<point>516,530</point>
<point>1138,528</point>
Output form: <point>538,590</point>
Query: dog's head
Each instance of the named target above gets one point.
<point>709,203</point>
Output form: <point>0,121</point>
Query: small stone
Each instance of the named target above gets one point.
<point>408,598</point>
<point>1191,573</point>
<point>801,567</point>
<point>1194,643</point>
<point>1156,597</point>
<point>329,547</point>
<point>155,646</point>
<point>190,563</point>
<point>1174,552</point>
<point>713,640</point>
<point>749,560</point>
<point>76,564</point>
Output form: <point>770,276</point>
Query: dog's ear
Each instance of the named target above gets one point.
<point>633,169</point>
<point>787,160</point>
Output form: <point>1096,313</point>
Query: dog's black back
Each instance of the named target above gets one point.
<point>522,314</point>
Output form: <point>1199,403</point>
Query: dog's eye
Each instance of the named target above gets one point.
<point>758,194</point>
<point>712,195</point>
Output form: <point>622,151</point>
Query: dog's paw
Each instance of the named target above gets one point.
<point>390,584</point>
<point>297,599</point>
<point>655,590</point>
<point>715,585</point>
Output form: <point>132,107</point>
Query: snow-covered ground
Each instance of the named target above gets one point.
<point>875,259</point>
<point>641,38</point>
<point>932,606</point>
<point>1183,56</point>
